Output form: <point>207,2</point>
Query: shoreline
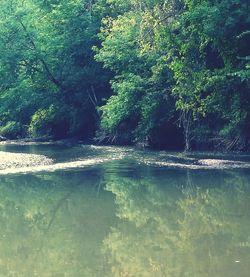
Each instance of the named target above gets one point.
<point>70,142</point>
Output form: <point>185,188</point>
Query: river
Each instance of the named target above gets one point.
<point>113,211</point>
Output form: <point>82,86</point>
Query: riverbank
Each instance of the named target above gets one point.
<point>70,142</point>
<point>22,157</point>
<point>47,141</point>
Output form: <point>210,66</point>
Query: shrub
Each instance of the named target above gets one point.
<point>12,130</point>
<point>42,122</point>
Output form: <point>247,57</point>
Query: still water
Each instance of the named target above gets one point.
<point>110,211</point>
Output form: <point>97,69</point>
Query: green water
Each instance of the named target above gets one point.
<point>124,215</point>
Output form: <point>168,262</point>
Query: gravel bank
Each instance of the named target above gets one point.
<point>19,160</point>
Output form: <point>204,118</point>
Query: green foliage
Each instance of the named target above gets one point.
<point>42,122</point>
<point>166,65</point>
<point>210,76</point>
<point>141,103</point>
<point>47,59</point>
<point>178,50</point>
<point>12,130</point>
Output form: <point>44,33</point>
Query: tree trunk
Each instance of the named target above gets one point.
<point>185,120</point>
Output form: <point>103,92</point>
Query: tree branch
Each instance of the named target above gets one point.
<point>44,64</point>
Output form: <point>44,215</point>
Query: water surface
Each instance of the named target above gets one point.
<point>110,211</point>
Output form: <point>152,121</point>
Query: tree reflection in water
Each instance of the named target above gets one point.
<point>198,229</point>
<point>107,221</point>
<point>48,225</point>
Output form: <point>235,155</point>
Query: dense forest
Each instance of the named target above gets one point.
<point>171,74</point>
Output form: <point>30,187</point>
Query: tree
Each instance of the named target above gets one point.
<point>51,64</point>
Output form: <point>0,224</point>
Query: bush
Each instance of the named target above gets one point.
<point>50,122</point>
<point>42,122</point>
<point>12,130</point>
